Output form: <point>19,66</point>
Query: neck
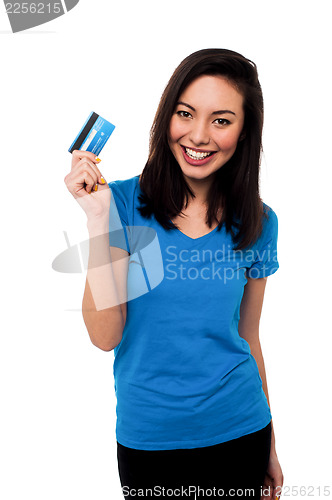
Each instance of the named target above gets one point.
<point>200,188</point>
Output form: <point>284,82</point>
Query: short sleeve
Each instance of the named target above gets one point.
<point>118,219</point>
<point>265,254</point>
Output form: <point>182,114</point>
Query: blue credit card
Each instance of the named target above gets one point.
<point>93,135</point>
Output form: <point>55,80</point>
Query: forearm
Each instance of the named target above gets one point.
<point>256,351</point>
<point>101,305</point>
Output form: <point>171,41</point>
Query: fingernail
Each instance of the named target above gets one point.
<point>96,187</point>
<point>97,159</point>
<point>102,180</point>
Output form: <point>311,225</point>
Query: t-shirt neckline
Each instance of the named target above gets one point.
<point>200,238</point>
<point>183,235</point>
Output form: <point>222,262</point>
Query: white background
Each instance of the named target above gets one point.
<point>57,389</point>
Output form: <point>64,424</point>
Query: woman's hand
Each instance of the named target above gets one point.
<point>82,182</point>
<point>274,479</point>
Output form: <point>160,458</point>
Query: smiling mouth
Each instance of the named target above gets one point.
<point>197,154</point>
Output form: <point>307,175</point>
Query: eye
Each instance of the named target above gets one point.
<point>184,114</point>
<point>222,121</point>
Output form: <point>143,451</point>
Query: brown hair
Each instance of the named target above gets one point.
<point>236,186</point>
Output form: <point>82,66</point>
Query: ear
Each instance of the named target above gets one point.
<point>242,136</point>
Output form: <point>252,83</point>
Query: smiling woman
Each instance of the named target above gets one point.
<point>191,386</point>
<point>192,399</point>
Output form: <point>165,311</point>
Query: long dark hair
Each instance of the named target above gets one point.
<point>235,189</point>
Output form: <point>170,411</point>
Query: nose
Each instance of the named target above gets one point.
<point>199,133</point>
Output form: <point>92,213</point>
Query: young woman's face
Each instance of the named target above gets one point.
<point>206,126</point>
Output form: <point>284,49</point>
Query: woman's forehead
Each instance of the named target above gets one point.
<point>212,91</point>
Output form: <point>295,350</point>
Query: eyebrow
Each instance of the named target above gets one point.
<point>219,112</point>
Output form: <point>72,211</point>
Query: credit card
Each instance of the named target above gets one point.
<point>93,135</point>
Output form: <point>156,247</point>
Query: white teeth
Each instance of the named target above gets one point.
<point>195,155</point>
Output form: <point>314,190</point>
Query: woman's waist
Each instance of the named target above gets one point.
<point>171,384</point>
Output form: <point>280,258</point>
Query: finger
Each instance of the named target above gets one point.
<point>98,176</point>
<point>83,183</point>
<point>78,155</point>
<point>89,166</point>
<point>83,179</point>
<point>278,482</point>
<point>277,491</point>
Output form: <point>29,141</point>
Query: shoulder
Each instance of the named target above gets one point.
<point>124,188</point>
<point>268,210</point>
<point>270,216</point>
<point>269,222</point>
<point>125,185</point>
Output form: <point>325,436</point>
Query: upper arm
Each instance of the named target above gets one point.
<point>120,260</point>
<point>251,308</point>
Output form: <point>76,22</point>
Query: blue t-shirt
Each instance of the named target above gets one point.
<point>184,378</point>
